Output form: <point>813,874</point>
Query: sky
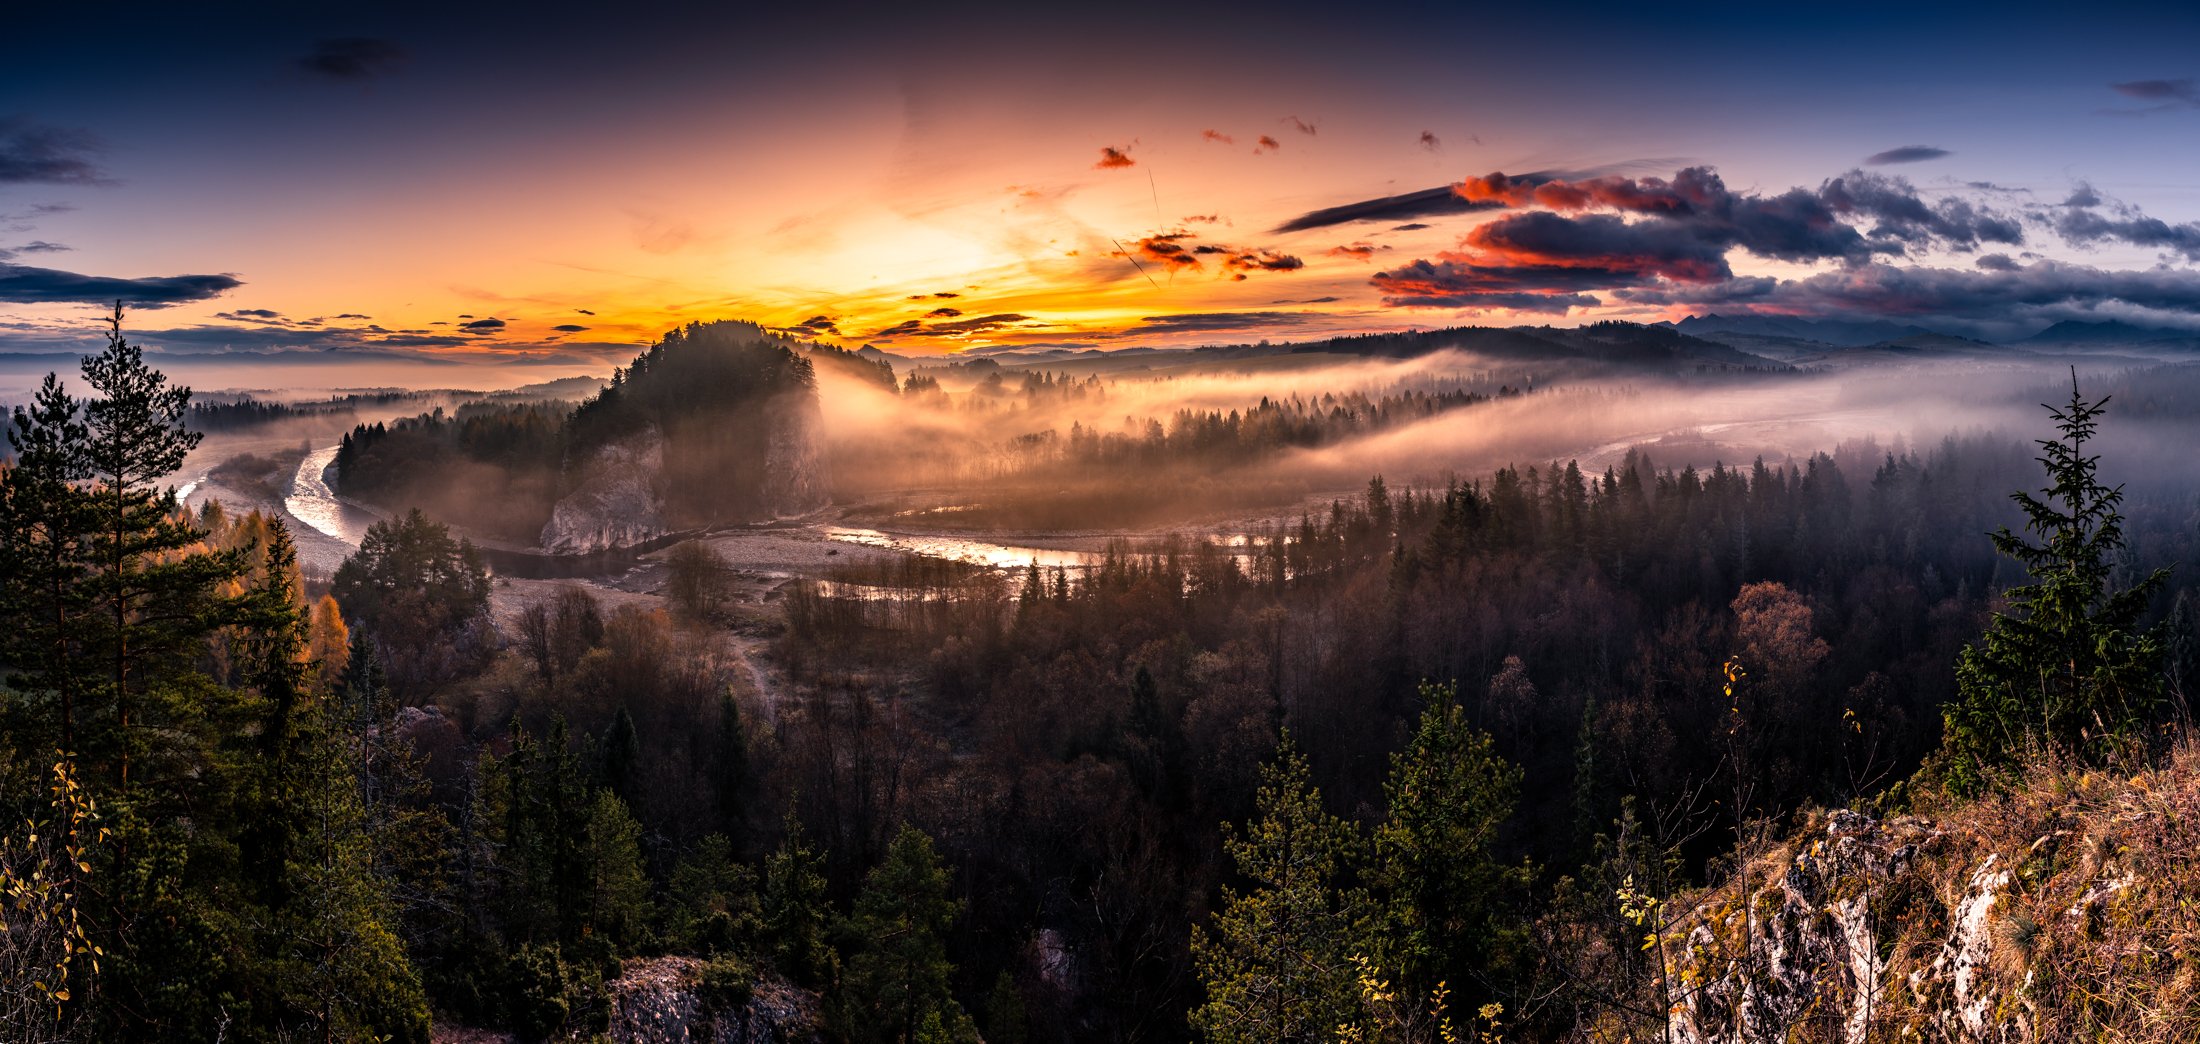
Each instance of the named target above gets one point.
<point>544,187</point>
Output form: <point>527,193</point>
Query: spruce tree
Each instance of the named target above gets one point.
<point>2067,663</point>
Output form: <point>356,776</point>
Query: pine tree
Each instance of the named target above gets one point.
<point>2067,664</point>
<point>1276,963</point>
<point>895,985</point>
<point>151,596</point>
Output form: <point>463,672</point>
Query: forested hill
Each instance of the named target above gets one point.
<point>716,422</point>
<point>737,411</point>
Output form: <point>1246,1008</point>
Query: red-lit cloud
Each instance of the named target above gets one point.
<point>1113,158</point>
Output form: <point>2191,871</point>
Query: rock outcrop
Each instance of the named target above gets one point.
<point>616,501</point>
<point>2061,911</point>
<point>660,1001</point>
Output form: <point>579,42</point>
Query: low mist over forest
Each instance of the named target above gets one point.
<point>669,523</point>
<point>772,681</point>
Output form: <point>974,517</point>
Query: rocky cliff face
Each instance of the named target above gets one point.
<point>619,499</point>
<point>2060,912</point>
<point>615,503</point>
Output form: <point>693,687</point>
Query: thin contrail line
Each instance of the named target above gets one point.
<point>1134,262</point>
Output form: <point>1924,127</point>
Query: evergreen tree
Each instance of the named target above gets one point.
<point>45,520</point>
<point>794,909</point>
<point>1276,964</point>
<point>1443,892</point>
<point>2067,663</point>
<point>895,985</point>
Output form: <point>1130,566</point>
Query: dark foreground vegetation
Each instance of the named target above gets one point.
<point>1427,766</point>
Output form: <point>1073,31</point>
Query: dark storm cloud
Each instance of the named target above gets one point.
<point>1605,242</point>
<point>1200,322</point>
<point>1905,154</point>
<point>352,58</point>
<point>568,328</point>
<point>1657,237</point>
<point>26,285</point>
<point>2047,290</point>
<point>1425,203</point>
<point>1459,282</point>
<point>31,153</point>
<point>483,325</point>
<point>2080,222</point>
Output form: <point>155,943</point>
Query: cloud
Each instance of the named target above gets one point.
<point>1661,241</point>
<point>1415,226</point>
<point>980,325</point>
<point>1266,144</point>
<point>1310,300</point>
<point>942,295</point>
<point>909,326</point>
<point>1112,158</point>
<point>2079,222</point>
<point>1425,203</point>
<point>1430,142</point>
<point>1355,251</point>
<point>27,285</point>
<point>2042,290</point>
<point>1167,249</point>
<point>483,325</point>
<point>31,153</point>
<point>943,313</point>
<point>1995,263</point>
<point>352,58</point>
<point>1301,126</point>
<point>1905,154</point>
<point>251,315</point>
<point>40,246</point>
<point>1796,225</point>
<point>1217,136</point>
<point>1199,322</point>
<point>584,311</point>
<point>818,324</point>
<point>2173,94</point>
<point>354,315</point>
<point>1177,250</point>
<point>568,328</point>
